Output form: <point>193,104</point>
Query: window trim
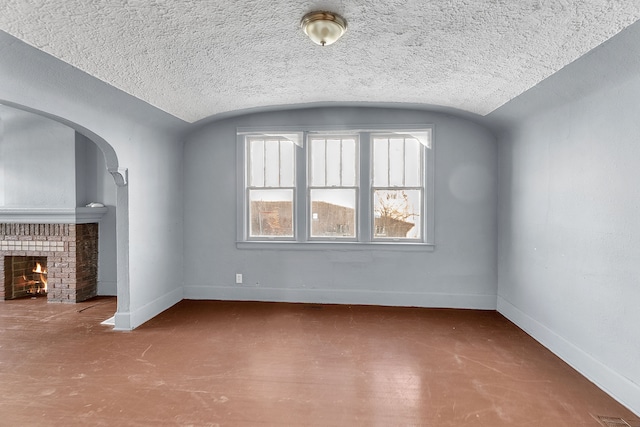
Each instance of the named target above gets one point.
<point>309,187</point>
<point>422,188</point>
<point>301,228</point>
<point>248,188</point>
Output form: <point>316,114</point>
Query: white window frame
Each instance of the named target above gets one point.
<point>420,188</point>
<point>295,138</point>
<point>365,233</point>
<point>310,186</point>
<point>266,186</point>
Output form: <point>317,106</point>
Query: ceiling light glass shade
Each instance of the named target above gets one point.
<point>324,28</point>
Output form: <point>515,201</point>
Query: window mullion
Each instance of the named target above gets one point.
<point>365,181</point>
<point>388,161</point>
<point>326,169</point>
<point>340,169</point>
<point>301,208</point>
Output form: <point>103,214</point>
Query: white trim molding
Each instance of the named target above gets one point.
<point>81,215</point>
<point>127,321</point>
<point>347,296</point>
<point>620,388</point>
<point>120,175</point>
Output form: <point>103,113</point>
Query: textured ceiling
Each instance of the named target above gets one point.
<point>195,59</point>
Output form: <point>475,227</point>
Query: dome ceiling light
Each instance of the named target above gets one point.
<point>324,28</point>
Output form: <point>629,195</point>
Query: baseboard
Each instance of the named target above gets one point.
<point>122,321</point>
<point>131,320</point>
<point>333,296</point>
<point>618,387</point>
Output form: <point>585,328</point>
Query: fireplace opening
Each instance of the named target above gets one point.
<point>25,276</point>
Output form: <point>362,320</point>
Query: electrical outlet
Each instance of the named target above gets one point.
<point>238,278</point>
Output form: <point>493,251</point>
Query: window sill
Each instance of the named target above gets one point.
<point>342,246</point>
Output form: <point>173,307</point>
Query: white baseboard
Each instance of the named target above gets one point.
<point>122,321</point>
<point>333,296</point>
<point>620,388</point>
<point>131,320</point>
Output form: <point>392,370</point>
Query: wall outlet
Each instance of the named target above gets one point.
<point>238,278</point>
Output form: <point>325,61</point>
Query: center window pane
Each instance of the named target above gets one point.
<point>333,213</point>
<point>333,162</point>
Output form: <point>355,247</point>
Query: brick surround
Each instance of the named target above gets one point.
<point>72,257</point>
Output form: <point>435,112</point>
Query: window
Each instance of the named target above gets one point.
<point>333,186</point>
<point>358,186</point>
<point>270,186</point>
<point>397,186</point>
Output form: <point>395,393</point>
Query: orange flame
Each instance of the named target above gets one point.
<point>43,279</point>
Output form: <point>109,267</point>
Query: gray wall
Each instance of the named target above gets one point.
<point>37,157</point>
<point>569,246</point>
<point>86,167</point>
<point>155,223</point>
<point>140,140</point>
<point>460,272</point>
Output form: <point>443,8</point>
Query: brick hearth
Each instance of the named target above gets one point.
<point>72,257</point>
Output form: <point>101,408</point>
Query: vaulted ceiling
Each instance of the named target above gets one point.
<point>197,59</point>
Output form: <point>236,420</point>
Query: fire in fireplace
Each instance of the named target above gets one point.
<point>25,276</point>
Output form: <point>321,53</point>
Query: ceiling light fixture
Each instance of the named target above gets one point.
<point>324,28</point>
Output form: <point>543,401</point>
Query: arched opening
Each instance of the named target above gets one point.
<point>94,165</point>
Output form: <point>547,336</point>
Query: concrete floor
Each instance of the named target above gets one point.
<point>207,363</point>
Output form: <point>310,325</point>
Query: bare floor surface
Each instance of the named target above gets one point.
<point>209,363</point>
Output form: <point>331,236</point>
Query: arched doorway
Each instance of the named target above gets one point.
<point>119,228</point>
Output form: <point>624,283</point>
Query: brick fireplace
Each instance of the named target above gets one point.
<point>67,253</point>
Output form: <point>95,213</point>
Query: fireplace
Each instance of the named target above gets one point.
<point>56,260</point>
<point>25,276</point>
